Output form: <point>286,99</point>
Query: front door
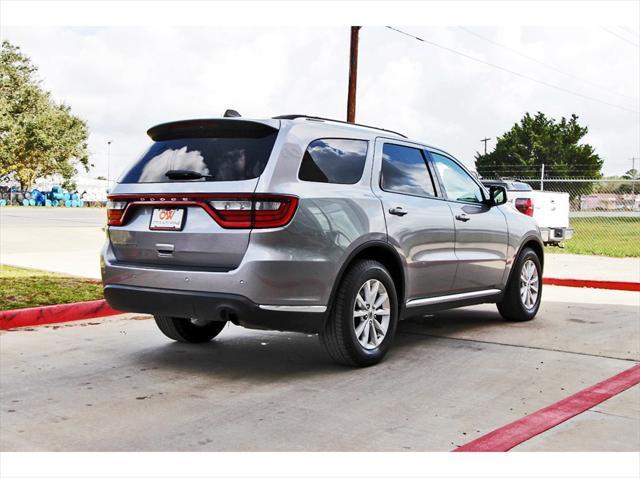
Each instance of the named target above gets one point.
<point>481,230</point>
<point>419,222</point>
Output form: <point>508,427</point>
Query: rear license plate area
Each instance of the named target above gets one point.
<point>167,219</point>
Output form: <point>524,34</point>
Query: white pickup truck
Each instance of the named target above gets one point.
<point>550,209</point>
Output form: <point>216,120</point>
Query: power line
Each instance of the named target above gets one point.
<point>493,65</point>
<point>540,62</point>
<point>620,36</point>
<point>630,30</point>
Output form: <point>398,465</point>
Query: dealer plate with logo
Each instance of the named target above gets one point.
<point>164,219</point>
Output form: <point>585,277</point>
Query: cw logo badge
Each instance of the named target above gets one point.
<point>167,214</point>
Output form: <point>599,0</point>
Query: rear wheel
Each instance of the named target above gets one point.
<point>192,331</point>
<point>364,317</point>
<point>522,296</point>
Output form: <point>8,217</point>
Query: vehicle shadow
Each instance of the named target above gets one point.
<point>455,320</point>
<point>267,356</point>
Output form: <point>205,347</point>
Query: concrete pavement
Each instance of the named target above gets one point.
<point>54,239</point>
<point>118,384</point>
<point>578,266</point>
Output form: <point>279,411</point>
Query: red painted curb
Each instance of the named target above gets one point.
<point>51,314</point>
<point>594,284</point>
<point>508,436</point>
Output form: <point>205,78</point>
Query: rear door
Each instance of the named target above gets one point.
<point>172,222</point>
<point>481,235</point>
<point>419,222</point>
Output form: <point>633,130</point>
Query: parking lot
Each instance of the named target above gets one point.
<point>118,384</point>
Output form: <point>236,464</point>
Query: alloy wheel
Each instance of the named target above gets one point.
<point>529,284</point>
<point>371,314</point>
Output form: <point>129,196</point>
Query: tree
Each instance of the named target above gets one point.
<point>538,140</point>
<point>38,137</point>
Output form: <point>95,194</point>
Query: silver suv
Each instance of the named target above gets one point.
<point>306,224</point>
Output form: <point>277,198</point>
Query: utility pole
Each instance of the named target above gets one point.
<point>353,75</point>
<point>485,144</point>
<point>635,174</point>
<point>542,178</point>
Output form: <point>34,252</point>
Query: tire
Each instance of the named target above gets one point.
<point>339,334</point>
<point>512,306</point>
<point>184,330</point>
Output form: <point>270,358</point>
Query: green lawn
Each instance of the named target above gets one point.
<point>29,288</point>
<point>603,236</point>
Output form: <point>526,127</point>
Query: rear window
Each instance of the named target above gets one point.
<point>519,187</point>
<point>217,158</point>
<point>338,161</point>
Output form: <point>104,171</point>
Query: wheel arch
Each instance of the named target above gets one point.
<point>532,242</point>
<point>379,251</point>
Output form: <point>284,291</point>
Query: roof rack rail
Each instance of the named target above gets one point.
<point>290,117</point>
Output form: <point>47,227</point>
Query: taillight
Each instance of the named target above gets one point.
<point>231,211</point>
<point>525,206</point>
<point>257,212</point>
<point>115,212</point>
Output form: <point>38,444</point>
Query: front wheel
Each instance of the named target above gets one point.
<point>523,294</point>
<point>191,331</point>
<point>364,317</point>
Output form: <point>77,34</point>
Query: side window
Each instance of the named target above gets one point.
<point>404,170</point>
<point>456,181</point>
<point>339,161</point>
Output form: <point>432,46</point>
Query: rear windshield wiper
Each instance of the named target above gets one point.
<point>186,174</point>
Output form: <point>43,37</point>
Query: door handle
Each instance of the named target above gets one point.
<point>462,217</point>
<point>397,211</point>
<point>164,250</point>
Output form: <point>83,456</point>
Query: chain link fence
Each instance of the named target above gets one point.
<point>604,213</point>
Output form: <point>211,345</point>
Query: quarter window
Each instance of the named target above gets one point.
<point>457,183</point>
<point>404,170</point>
<point>339,161</point>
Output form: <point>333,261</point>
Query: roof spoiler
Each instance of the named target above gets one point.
<point>212,128</point>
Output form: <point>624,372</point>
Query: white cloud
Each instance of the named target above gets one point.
<point>124,80</point>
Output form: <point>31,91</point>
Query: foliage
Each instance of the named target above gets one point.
<point>619,184</point>
<point>70,185</point>
<point>38,137</point>
<point>30,288</point>
<point>538,140</point>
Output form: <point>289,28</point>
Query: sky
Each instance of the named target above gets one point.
<point>123,80</point>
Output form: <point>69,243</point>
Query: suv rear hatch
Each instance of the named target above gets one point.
<point>188,201</point>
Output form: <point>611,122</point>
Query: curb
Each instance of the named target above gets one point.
<point>593,284</point>
<point>52,314</point>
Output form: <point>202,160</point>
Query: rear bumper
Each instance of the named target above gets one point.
<point>215,306</point>
<point>265,276</point>
<point>557,234</point>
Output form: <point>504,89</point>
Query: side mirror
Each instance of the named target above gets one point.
<point>498,195</point>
